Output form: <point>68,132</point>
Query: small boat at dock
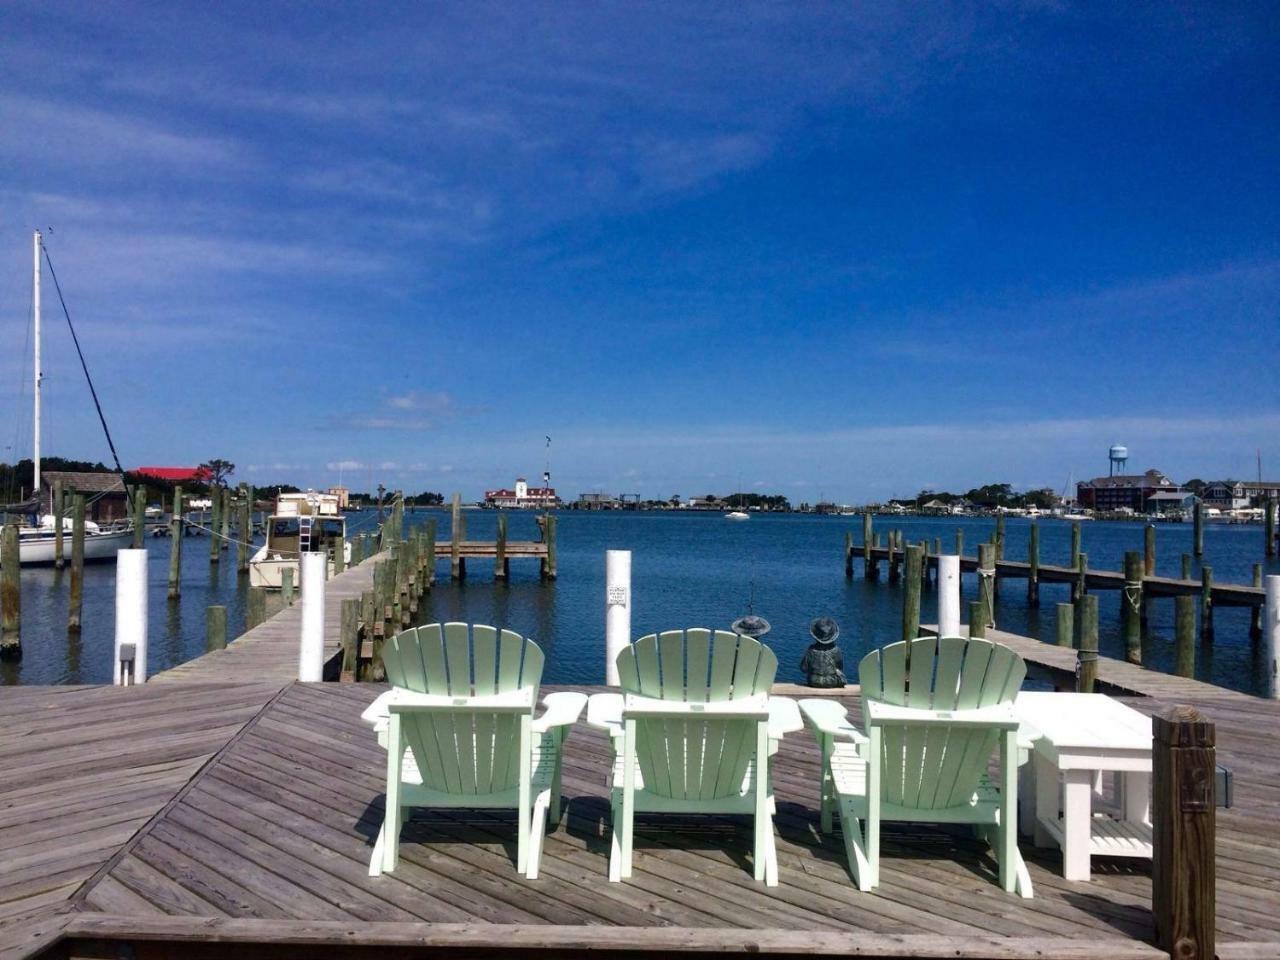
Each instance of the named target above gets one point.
<point>302,523</point>
<point>737,515</point>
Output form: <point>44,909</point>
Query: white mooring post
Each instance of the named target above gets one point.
<point>1271,635</point>
<point>315,567</point>
<point>617,616</point>
<point>131,618</point>
<point>948,595</point>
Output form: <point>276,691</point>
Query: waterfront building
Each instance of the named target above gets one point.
<point>1239,494</point>
<point>175,474</point>
<point>597,501</point>
<point>105,497</point>
<point>343,495</point>
<point>523,497</point>
<point>1123,491</point>
<point>1170,503</point>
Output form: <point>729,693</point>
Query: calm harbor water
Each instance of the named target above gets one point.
<point>687,570</point>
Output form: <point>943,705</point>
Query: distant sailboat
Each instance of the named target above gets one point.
<point>37,539</point>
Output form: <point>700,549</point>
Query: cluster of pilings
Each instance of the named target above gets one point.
<point>912,563</point>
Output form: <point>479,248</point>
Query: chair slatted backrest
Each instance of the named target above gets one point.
<point>472,752</point>
<point>697,666</point>
<point>692,757</point>
<point>939,766</point>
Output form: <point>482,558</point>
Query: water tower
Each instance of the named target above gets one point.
<point>1119,457</point>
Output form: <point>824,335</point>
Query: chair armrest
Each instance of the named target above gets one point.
<point>563,710</point>
<point>880,714</point>
<point>379,712</point>
<point>829,717</point>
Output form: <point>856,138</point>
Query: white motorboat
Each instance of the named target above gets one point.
<point>302,523</point>
<point>37,538</point>
<point>737,515</point>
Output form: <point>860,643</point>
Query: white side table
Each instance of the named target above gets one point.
<point>1082,735</point>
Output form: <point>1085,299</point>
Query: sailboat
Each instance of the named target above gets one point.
<point>37,539</point>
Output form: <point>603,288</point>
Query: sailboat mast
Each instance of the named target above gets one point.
<point>36,374</point>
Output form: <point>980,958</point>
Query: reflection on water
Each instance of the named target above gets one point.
<point>688,570</point>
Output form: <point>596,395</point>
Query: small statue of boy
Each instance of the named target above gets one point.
<point>823,663</point>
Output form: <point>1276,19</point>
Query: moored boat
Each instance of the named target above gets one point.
<point>302,523</point>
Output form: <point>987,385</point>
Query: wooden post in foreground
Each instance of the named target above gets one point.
<point>549,570</point>
<point>1184,661</point>
<point>1066,625</point>
<point>349,637</point>
<point>911,593</point>
<point>255,608</point>
<point>986,582</point>
<point>1131,604</point>
<point>1183,781</point>
<point>457,569</point>
<point>1149,550</point>
<point>139,517</point>
<point>867,534</point>
<point>1081,585</point>
<point>960,543</point>
<point>892,561</point>
<point>10,595</point>
<point>175,546</point>
<point>1197,530</point>
<point>1255,613</point>
<point>1186,566</point>
<point>1269,527</point>
<point>59,511</point>
<point>1087,654</point>
<point>215,628</point>
<point>977,625</point>
<point>1075,543</point>
<point>76,592</point>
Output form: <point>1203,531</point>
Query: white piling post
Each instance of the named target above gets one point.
<point>315,568</point>
<point>1271,635</point>
<point>617,616</point>
<point>131,616</point>
<point>948,595</point>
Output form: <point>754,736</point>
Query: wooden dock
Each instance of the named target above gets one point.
<point>225,810</point>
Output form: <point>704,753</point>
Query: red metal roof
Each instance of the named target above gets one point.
<point>175,474</point>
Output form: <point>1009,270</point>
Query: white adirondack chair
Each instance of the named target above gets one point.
<point>934,711</point>
<point>695,736</point>
<point>461,732</point>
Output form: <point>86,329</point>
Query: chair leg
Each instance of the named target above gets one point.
<point>615,841</point>
<point>855,848</point>
<point>391,835</point>
<point>555,785</point>
<point>628,832</point>
<point>522,838</point>
<point>770,854</point>
<point>375,861</point>
<point>537,832</point>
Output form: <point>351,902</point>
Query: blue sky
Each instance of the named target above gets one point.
<point>849,250</point>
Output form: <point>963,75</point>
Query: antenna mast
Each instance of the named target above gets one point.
<point>36,375</point>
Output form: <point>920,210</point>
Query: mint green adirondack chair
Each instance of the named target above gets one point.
<point>461,732</point>
<point>695,736</point>
<point>934,710</point>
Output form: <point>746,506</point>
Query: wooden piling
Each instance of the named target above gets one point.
<point>1075,542</point>
<point>255,608</point>
<point>339,557</point>
<point>848,554</point>
<point>977,619</point>
<point>1149,550</point>
<point>998,537</point>
<point>1066,625</point>
<point>1198,530</point>
<point>1184,661</point>
<point>1255,612</point>
<point>867,534</point>
<point>1087,652</point>
<point>550,560</point>
<point>986,582</point>
<point>1183,811</point>
<point>501,568</point>
<point>242,537</point>
<point>431,551</point>
<point>175,546</point>
<point>215,521</point>
<point>10,595</point>
<point>1206,602</point>
<point>76,592</point>
<point>456,569</point>
<point>286,586</point>
<point>215,628</point>
<point>894,572</point>
<point>911,595</point>
<point>959,542</point>
<point>59,511</point>
<point>1131,603</point>
<point>1081,585</point>
<point>225,540</point>
<point>1269,527</point>
<point>349,637</point>
<point>368,635</point>
<point>1186,566</point>
<point>1033,564</point>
